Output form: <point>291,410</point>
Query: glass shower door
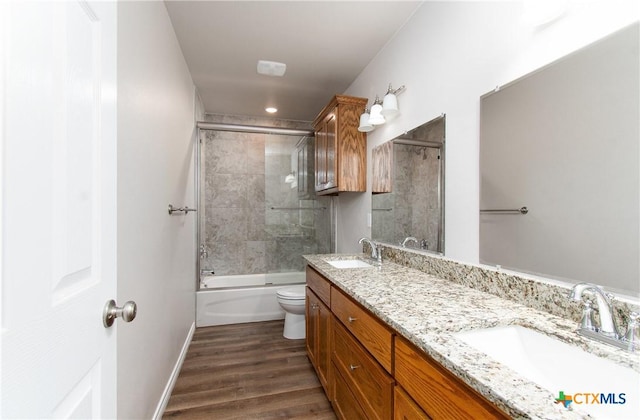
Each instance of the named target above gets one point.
<point>297,222</point>
<point>258,209</point>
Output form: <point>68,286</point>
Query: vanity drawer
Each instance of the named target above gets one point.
<point>344,402</point>
<point>372,333</point>
<point>320,285</point>
<point>370,384</point>
<point>404,408</point>
<point>439,393</point>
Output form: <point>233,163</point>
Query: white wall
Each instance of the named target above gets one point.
<point>448,55</point>
<point>156,255</point>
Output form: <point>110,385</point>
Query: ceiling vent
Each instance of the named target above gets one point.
<point>271,68</point>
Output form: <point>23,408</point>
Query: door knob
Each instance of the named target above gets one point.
<point>127,312</point>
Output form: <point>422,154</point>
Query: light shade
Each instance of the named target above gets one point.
<point>376,118</point>
<point>365,125</point>
<point>390,105</point>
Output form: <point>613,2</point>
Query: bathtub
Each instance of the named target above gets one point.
<point>224,300</point>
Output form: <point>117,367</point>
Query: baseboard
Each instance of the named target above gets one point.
<point>164,400</point>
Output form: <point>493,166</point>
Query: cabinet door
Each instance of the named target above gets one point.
<point>326,157</point>
<point>318,323</point>
<point>311,321</point>
<point>321,158</point>
<point>332,150</point>
<point>324,345</point>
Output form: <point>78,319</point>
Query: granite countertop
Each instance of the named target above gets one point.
<point>427,310</point>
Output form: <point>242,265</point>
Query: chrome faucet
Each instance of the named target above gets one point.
<point>376,253</point>
<point>409,239</point>
<point>608,332</point>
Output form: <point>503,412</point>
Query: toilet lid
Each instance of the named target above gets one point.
<point>294,292</point>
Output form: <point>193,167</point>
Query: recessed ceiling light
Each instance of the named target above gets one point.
<point>271,110</point>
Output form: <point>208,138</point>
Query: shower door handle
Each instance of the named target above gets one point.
<point>127,312</point>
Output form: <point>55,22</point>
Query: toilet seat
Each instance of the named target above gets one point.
<point>292,293</point>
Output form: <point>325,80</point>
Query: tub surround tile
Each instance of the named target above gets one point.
<point>426,306</point>
<point>243,177</point>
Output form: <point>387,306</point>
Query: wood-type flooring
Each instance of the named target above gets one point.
<point>247,371</point>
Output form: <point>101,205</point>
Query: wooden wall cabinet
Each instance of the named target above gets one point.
<point>340,149</point>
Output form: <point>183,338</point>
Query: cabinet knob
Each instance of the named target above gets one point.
<point>353,367</point>
<point>351,319</point>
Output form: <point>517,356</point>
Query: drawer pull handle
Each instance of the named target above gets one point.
<point>353,367</point>
<point>351,319</point>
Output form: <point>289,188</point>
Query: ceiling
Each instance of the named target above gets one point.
<point>325,45</point>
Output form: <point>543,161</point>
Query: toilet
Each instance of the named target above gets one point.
<point>292,300</point>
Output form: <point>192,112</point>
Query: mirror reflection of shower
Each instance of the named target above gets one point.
<point>414,207</point>
<point>259,212</point>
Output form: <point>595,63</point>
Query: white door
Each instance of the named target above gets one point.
<point>58,256</point>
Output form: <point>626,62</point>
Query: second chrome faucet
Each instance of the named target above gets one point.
<point>608,330</point>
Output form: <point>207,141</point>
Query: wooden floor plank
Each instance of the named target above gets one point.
<point>247,371</point>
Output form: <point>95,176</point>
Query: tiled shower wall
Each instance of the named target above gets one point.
<point>251,220</point>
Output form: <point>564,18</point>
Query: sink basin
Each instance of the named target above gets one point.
<point>349,264</point>
<point>562,368</point>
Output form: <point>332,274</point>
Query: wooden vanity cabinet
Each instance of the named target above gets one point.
<point>369,372</point>
<point>340,149</point>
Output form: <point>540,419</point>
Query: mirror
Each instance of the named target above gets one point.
<point>563,142</point>
<point>408,189</point>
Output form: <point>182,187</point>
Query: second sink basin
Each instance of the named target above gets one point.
<point>562,368</point>
<point>349,264</point>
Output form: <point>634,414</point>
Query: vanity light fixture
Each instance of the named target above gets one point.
<point>375,117</point>
<point>381,111</point>
<point>365,125</point>
<point>390,102</point>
